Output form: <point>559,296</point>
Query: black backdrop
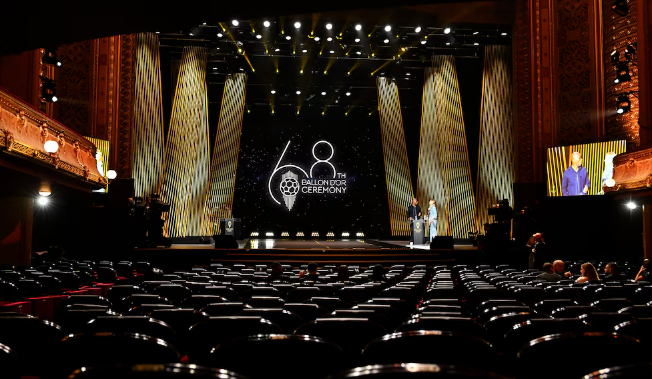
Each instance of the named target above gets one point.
<point>357,153</point>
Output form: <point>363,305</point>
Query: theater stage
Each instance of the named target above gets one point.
<point>367,251</point>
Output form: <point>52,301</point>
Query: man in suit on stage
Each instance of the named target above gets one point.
<point>413,213</point>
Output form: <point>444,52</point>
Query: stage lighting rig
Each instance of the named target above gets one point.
<point>624,105</point>
<point>615,56</point>
<point>630,52</point>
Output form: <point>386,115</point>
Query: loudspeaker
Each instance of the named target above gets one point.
<point>225,242</point>
<point>442,242</point>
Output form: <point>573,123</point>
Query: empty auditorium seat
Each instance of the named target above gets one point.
<point>173,292</point>
<point>636,371</point>
<point>521,334</point>
<point>576,354</point>
<point>287,320</point>
<point>200,301</point>
<point>330,303</point>
<point>640,329</point>
<point>83,350</point>
<point>430,347</point>
<point>547,306</point>
<point>132,324</point>
<point>415,370</point>
<point>282,356</point>
<point>154,371</point>
<point>216,330</point>
<point>452,324</point>
<point>308,312</point>
<point>351,334</point>
<point>225,309</point>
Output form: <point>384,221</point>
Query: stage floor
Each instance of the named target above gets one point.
<point>310,244</point>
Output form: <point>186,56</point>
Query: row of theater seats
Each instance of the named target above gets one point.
<point>444,321</point>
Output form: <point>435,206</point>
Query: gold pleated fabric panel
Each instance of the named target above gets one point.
<point>225,153</point>
<point>443,125</point>
<point>397,169</point>
<point>186,173</point>
<point>147,117</point>
<point>103,146</point>
<point>496,158</point>
<point>430,182</point>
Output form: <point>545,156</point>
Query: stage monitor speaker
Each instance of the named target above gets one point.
<point>442,242</point>
<point>225,242</point>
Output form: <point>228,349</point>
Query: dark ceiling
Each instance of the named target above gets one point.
<point>328,62</point>
<point>29,25</point>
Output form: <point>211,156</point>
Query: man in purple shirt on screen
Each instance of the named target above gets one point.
<point>576,180</point>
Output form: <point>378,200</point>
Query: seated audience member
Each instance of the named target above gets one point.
<point>589,273</point>
<point>343,273</point>
<point>612,273</point>
<point>558,267</point>
<point>311,273</point>
<point>644,273</point>
<point>277,273</point>
<point>549,274</point>
<point>378,273</point>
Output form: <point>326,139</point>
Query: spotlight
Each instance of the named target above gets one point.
<point>235,23</point>
<point>44,193</point>
<point>277,49</point>
<point>629,51</point>
<point>272,91</point>
<point>258,36</point>
<point>266,24</point>
<point>475,44</point>
<point>288,38</point>
<point>317,39</point>
<point>388,28</point>
<point>417,29</point>
<point>358,52</point>
<point>297,24</point>
<point>111,174</point>
<point>50,57</point>
<point>220,35</point>
<point>358,27</point>
<point>304,51</point>
<point>48,90</point>
<point>51,146</point>
<point>408,74</point>
<point>624,105</point>
<point>269,234</point>
<point>329,39</point>
<point>357,40</point>
<point>503,34</point>
<point>474,33</point>
<point>298,92</point>
<point>620,7</point>
<point>332,51</point>
<point>42,200</point>
<point>615,56</point>
<point>622,73</point>
<point>329,26</point>
<point>447,30</point>
<point>255,234</point>
<point>631,205</point>
<point>423,42</point>
<point>157,32</point>
<point>348,93</point>
<point>323,93</point>
<point>386,40</point>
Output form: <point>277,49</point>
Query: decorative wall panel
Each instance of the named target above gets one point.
<point>104,147</point>
<point>74,83</point>
<point>496,158</point>
<point>454,155</point>
<point>524,135</point>
<point>122,137</point>
<point>397,169</point>
<point>430,183</point>
<point>620,31</point>
<point>147,117</point>
<point>225,153</point>
<point>185,180</point>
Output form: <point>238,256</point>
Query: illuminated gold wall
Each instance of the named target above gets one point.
<point>593,155</point>
<point>397,169</point>
<point>186,172</point>
<point>219,203</point>
<point>444,171</point>
<point>496,158</point>
<point>147,117</point>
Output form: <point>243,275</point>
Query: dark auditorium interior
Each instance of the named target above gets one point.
<point>338,189</point>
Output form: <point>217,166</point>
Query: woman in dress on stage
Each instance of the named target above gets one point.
<point>432,219</point>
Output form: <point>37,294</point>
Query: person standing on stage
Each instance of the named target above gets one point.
<point>413,213</point>
<point>432,219</point>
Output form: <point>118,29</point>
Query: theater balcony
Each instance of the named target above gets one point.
<point>38,156</point>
